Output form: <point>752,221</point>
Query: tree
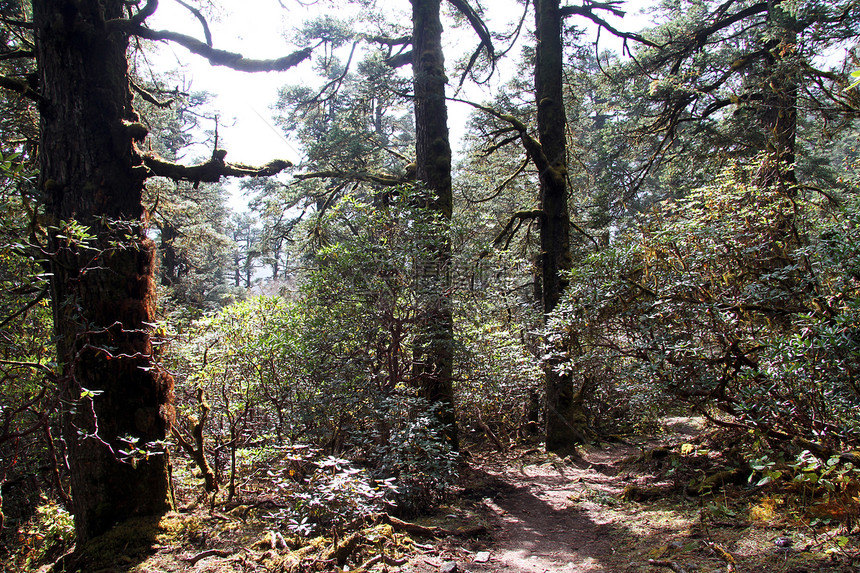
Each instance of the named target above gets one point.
<point>102,262</point>
<point>742,76</point>
<point>434,346</point>
<point>566,420</point>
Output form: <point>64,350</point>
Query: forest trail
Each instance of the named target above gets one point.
<point>539,525</point>
<point>546,514</point>
<point>621,508</point>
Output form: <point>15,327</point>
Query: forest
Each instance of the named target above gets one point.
<point>608,321</point>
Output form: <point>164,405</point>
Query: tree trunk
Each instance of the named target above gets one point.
<point>434,345</point>
<point>565,420</point>
<point>169,274</point>
<point>103,292</point>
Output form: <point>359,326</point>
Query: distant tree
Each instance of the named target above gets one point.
<point>245,233</point>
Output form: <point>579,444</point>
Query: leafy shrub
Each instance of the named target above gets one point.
<point>414,452</point>
<point>740,298</point>
<point>48,533</point>
<point>330,368</point>
<point>322,491</point>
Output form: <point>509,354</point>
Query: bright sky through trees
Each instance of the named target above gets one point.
<point>261,29</point>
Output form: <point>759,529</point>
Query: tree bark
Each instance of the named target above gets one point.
<point>434,345</point>
<point>103,288</point>
<point>565,420</point>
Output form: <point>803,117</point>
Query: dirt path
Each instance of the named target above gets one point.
<point>596,512</point>
<point>549,514</point>
<point>539,525</point>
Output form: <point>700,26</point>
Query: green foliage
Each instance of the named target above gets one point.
<point>739,297</point>
<point>411,448</point>
<point>331,368</point>
<point>28,396</point>
<point>47,534</point>
<point>324,491</point>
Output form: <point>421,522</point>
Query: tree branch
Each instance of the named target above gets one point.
<point>150,97</point>
<point>22,88</point>
<point>213,170</point>
<point>386,41</point>
<point>483,33</point>
<point>532,146</point>
<point>216,57</point>
<point>587,12</point>
<point>380,178</point>
<point>202,20</point>
<point>26,307</point>
<point>517,218</point>
<point>16,54</point>
<point>400,60</point>
<point>145,12</point>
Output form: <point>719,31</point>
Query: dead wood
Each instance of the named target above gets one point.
<point>343,549</point>
<point>716,481</point>
<point>724,555</point>
<point>434,531</point>
<point>489,432</point>
<point>208,553</point>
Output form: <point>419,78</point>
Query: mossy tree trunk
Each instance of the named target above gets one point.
<point>434,345</point>
<point>565,419</point>
<point>119,403</point>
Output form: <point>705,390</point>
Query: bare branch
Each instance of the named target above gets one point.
<point>483,33</point>
<point>21,87</point>
<point>501,187</point>
<point>145,12</point>
<point>532,146</point>
<point>386,41</point>
<point>148,96</point>
<point>400,60</point>
<point>216,57</point>
<point>202,20</point>
<point>16,54</point>
<point>517,218</point>
<point>587,12</point>
<point>25,308</point>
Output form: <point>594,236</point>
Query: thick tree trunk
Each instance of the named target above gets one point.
<point>434,346</point>
<point>103,292</point>
<point>565,420</point>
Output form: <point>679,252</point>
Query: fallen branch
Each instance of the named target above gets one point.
<point>489,432</point>
<point>377,558</point>
<point>435,531</point>
<point>341,551</point>
<point>208,553</point>
<point>724,555</point>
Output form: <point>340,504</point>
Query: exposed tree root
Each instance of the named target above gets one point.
<point>208,553</point>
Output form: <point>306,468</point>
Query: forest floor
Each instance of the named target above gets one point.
<point>620,507</point>
<point>617,509</point>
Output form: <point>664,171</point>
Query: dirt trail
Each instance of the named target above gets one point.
<point>539,527</point>
<point>549,514</point>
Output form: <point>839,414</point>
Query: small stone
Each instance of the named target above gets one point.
<point>482,556</point>
<point>448,567</point>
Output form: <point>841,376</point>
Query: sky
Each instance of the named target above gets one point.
<point>257,29</point>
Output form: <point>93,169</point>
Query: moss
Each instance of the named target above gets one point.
<point>131,540</point>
